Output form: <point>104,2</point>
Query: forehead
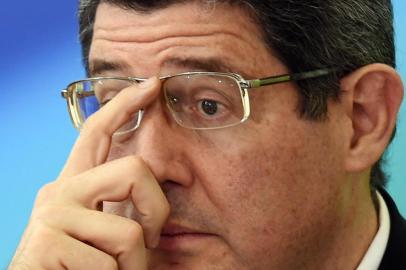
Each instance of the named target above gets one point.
<point>178,34</point>
<point>172,18</point>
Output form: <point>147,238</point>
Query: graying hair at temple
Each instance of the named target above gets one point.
<point>305,35</point>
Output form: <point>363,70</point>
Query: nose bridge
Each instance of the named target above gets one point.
<point>154,132</point>
<point>160,142</point>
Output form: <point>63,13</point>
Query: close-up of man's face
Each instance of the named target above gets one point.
<point>217,135</point>
<point>251,192</point>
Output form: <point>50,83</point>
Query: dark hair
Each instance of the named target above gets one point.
<point>306,35</point>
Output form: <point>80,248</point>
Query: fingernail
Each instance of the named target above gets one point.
<point>147,83</point>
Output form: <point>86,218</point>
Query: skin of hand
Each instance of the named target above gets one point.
<point>67,230</point>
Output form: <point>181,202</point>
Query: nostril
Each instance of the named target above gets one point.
<point>168,185</point>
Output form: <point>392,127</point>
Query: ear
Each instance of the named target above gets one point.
<point>373,96</point>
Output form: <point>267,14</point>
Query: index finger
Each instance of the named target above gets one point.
<point>93,144</point>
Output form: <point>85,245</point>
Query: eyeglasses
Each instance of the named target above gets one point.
<point>196,100</point>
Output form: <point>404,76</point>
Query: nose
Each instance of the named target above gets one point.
<point>163,145</point>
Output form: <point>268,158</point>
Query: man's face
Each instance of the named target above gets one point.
<point>265,194</point>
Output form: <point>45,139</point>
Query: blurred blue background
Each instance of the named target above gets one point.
<point>39,55</point>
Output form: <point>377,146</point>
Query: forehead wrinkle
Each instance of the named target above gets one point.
<point>208,64</point>
<point>223,55</point>
<point>161,38</point>
<point>153,35</point>
<point>193,21</point>
<point>224,60</point>
<point>199,58</point>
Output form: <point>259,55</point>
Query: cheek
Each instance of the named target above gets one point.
<point>268,182</point>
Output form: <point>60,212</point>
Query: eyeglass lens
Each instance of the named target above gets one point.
<point>204,101</point>
<point>195,101</point>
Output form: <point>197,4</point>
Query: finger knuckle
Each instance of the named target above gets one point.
<point>42,238</point>
<point>52,213</point>
<point>94,127</point>
<point>89,124</point>
<point>135,161</point>
<point>35,247</point>
<point>132,235</point>
<point>139,168</point>
<point>46,192</point>
<point>40,214</point>
<point>47,189</point>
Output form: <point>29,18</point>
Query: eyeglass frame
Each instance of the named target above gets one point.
<point>243,84</point>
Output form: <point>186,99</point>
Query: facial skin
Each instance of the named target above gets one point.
<point>273,192</point>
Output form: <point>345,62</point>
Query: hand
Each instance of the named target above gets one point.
<point>67,230</point>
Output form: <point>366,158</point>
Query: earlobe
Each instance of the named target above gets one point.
<point>375,93</point>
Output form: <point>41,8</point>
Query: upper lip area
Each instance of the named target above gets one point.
<point>172,229</point>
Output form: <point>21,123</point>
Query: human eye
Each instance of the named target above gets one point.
<point>103,101</point>
<point>106,90</point>
<point>209,104</point>
<point>204,101</point>
<point>199,104</point>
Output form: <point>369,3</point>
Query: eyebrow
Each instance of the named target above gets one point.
<point>197,64</point>
<point>202,64</point>
<point>99,67</point>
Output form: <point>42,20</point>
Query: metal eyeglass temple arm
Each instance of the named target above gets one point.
<point>289,77</point>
